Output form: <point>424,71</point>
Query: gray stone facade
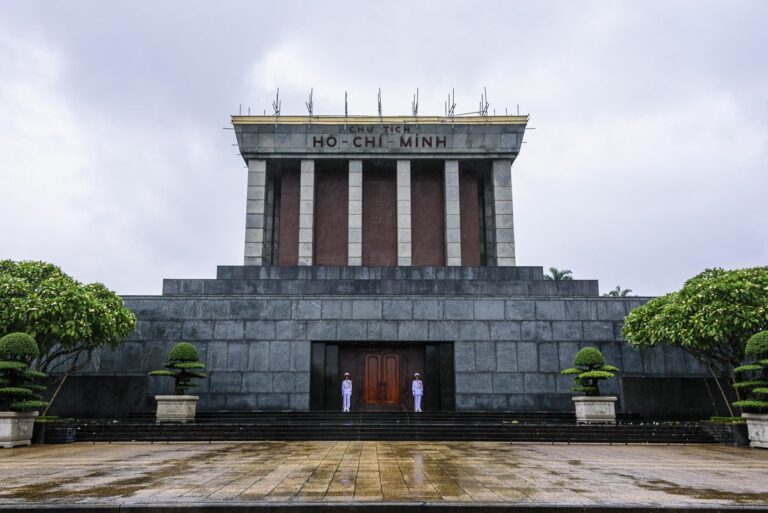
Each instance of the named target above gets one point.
<point>512,332</point>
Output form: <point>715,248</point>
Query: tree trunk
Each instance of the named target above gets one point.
<point>58,389</point>
<point>722,392</point>
<point>711,396</point>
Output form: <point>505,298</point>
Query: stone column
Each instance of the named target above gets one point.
<point>452,213</point>
<point>306,211</point>
<point>254,212</point>
<point>404,212</point>
<point>355,226</point>
<point>502,208</point>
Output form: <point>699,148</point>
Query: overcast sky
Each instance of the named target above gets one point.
<point>648,162</point>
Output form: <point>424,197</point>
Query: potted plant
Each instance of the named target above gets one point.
<point>51,429</point>
<point>19,394</point>
<point>754,382</point>
<point>184,366</point>
<point>590,368</point>
<point>728,430</point>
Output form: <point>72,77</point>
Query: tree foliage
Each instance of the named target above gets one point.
<point>69,320</point>
<point>558,274</point>
<point>618,292</point>
<point>184,366</point>
<point>18,390</point>
<point>589,368</point>
<point>711,317</point>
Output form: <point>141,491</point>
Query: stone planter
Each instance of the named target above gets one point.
<point>54,433</point>
<point>595,410</point>
<point>729,434</point>
<point>176,408</point>
<point>16,428</point>
<point>757,427</point>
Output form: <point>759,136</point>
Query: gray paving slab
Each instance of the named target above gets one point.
<point>383,476</point>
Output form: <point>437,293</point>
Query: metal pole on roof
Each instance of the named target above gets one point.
<point>380,117</point>
<point>310,104</point>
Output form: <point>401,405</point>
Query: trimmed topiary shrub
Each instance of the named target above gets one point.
<point>757,346</point>
<point>184,366</point>
<point>18,346</point>
<point>589,368</point>
<point>18,390</point>
<point>754,375</point>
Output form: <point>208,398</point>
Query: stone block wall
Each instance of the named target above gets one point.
<point>508,349</point>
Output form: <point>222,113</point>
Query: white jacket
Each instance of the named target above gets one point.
<point>417,387</point>
<point>346,387</point>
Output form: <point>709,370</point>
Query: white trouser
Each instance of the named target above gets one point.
<point>417,402</point>
<point>346,398</point>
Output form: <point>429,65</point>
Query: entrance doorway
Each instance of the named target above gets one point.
<point>381,381</point>
<point>381,374</point>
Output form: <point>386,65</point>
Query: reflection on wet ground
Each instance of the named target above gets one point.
<point>383,471</point>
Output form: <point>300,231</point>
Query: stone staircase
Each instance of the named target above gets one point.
<point>444,426</point>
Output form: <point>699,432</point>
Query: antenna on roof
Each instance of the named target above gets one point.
<point>345,110</point>
<point>379,102</point>
<point>276,103</point>
<point>450,105</point>
<point>310,104</point>
<point>484,103</point>
<point>415,104</point>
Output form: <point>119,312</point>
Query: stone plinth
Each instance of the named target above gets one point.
<point>595,410</point>
<point>16,428</point>
<point>757,427</point>
<point>176,408</point>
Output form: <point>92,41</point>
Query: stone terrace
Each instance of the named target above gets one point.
<point>270,473</point>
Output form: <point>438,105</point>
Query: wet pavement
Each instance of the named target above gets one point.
<point>439,472</point>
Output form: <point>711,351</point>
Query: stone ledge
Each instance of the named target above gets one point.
<point>480,286</point>
<point>256,272</point>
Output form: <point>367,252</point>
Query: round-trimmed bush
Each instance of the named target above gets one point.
<point>754,375</point>
<point>589,357</point>
<point>184,366</point>
<point>18,390</point>
<point>589,369</point>
<point>18,345</point>
<point>184,352</point>
<point>757,346</point>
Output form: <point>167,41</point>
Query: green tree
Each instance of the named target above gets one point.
<point>18,390</point>
<point>184,366</point>
<point>558,274</point>
<point>754,375</point>
<point>589,368</point>
<point>618,292</point>
<point>69,320</point>
<point>711,317</point>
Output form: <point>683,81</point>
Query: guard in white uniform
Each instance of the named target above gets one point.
<point>417,387</point>
<point>346,391</point>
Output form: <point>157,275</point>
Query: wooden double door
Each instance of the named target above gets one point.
<point>381,381</point>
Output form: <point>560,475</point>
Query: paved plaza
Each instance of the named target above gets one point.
<point>312,472</point>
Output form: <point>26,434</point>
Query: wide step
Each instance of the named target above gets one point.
<point>449,426</point>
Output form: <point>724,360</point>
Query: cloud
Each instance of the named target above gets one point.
<point>647,163</point>
<point>42,148</point>
<point>108,201</point>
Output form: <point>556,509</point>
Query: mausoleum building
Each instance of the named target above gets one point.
<point>384,246</point>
